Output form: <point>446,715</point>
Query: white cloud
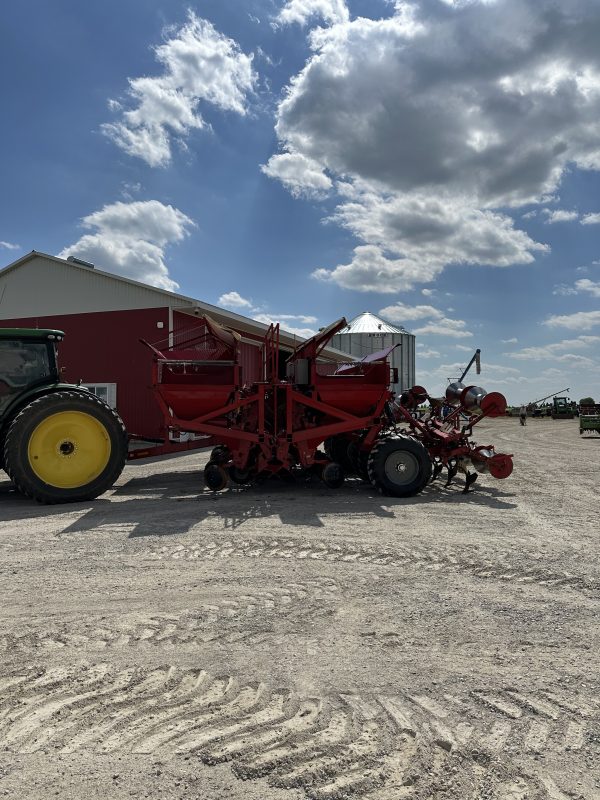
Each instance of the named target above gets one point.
<point>514,340</point>
<point>371,271</point>
<point>400,312</point>
<point>454,328</point>
<point>562,290</point>
<point>9,246</point>
<point>556,350</point>
<point>307,319</point>
<point>581,285</point>
<point>559,215</point>
<point>130,239</point>
<point>428,354</point>
<point>591,219</point>
<point>200,64</point>
<point>301,11</point>
<point>433,130</point>
<point>434,230</point>
<point>447,106</point>
<point>129,190</point>
<point>233,300</point>
<point>580,321</point>
<point>285,320</point>
<point>578,361</point>
<point>299,174</point>
<point>591,287</point>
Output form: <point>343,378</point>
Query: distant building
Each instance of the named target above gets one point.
<point>104,316</point>
<point>368,333</point>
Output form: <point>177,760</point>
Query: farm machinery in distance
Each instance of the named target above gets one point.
<point>276,425</point>
<point>589,418</point>
<point>560,407</point>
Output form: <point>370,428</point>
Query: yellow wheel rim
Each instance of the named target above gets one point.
<point>69,449</point>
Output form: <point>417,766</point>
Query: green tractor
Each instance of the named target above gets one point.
<point>563,408</point>
<point>59,443</point>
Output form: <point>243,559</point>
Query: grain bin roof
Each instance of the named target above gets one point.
<point>370,323</point>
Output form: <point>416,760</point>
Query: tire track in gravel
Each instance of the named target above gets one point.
<point>335,746</point>
<point>245,618</point>
<point>427,558</point>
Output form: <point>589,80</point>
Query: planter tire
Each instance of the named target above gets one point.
<point>65,447</point>
<point>399,466</point>
<point>337,449</point>
<point>359,460</point>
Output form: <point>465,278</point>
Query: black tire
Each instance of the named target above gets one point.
<point>399,466</point>
<point>333,475</point>
<point>65,447</point>
<point>220,454</point>
<point>239,476</point>
<point>336,448</point>
<point>215,477</point>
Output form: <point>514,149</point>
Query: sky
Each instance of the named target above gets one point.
<point>435,162</point>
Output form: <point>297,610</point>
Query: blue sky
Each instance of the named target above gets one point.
<point>435,162</point>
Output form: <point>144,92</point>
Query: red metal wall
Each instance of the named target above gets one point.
<point>251,361</point>
<point>104,347</point>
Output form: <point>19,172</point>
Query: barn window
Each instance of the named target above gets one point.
<point>105,391</point>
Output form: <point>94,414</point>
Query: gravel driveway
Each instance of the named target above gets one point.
<point>292,641</point>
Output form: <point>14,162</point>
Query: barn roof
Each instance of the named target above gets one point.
<point>134,291</point>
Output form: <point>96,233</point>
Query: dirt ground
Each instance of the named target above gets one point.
<point>292,641</point>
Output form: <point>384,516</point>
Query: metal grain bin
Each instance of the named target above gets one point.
<point>368,333</point>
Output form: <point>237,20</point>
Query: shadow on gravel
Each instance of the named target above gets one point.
<point>168,505</point>
<point>173,503</point>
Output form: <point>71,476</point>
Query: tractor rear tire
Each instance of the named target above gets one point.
<point>65,447</point>
<point>399,466</point>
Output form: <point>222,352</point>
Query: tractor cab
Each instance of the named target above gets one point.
<point>27,360</point>
<point>562,408</point>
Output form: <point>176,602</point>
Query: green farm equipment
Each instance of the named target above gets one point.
<point>59,443</point>
<point>563,408</point>
<point>589,418</point>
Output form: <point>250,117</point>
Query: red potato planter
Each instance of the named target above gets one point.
<point>277,425</point>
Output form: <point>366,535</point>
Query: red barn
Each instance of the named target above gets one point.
<point>104,316</point>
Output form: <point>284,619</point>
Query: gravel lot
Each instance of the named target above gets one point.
<point>291,641</point>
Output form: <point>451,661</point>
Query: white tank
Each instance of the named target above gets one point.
<point>368,333</point>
